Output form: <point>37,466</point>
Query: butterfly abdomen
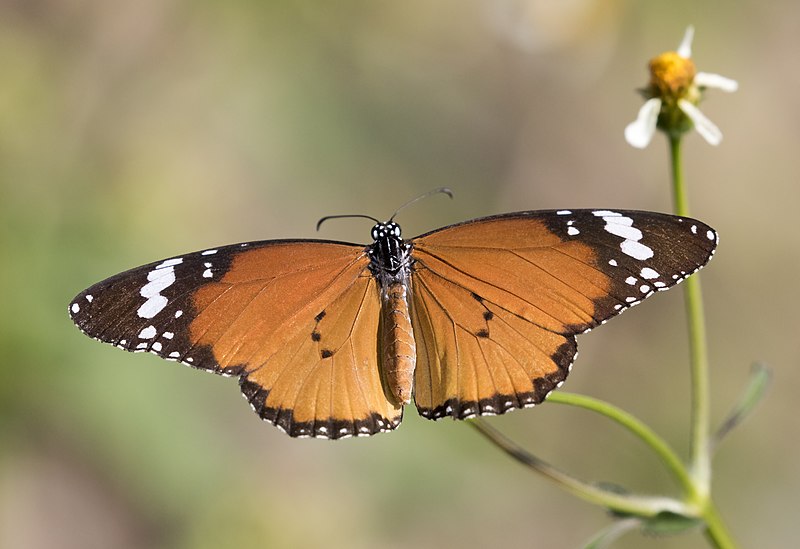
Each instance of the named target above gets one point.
<point>399,349</point>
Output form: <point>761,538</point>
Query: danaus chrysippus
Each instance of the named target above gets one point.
<point>331,339</point>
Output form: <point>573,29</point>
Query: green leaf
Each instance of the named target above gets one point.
<point>760,378</point>
<point>666,523</point>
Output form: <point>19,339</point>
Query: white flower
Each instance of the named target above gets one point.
<point>673,93</point>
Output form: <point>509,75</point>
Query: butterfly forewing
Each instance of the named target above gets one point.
<point>297,320</point>
<point>499,298</point>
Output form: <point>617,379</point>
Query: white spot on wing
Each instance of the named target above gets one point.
<point>89,297</point>
<point>563,212</point>
<point>636,250</point>
<point>148,333</point>
<point>75,308</point>
<point>644,288</point>
<point>168,335</point>
<point>209,252</point>
<point>631,280</point>
<point>170,263</point>
<point>605,213</point>
<point>159,279</point>
<point>648,274</point>
<point>207,273</point>
<point>178,314</point>
<point>612,262</point>
<point>623,230</point>
<point>572,231</point>
<point>710,235</point>
<point>622,226</point>
<point>156,346</point>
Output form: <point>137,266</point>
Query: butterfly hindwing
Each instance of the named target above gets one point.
<point>476,357</point>
<point>499,298</point>
<point>297,320</point>
<point>323,380</point>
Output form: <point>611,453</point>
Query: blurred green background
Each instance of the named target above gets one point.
<point>133,131</point>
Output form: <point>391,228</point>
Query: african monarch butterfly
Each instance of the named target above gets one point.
<point>330,339</point>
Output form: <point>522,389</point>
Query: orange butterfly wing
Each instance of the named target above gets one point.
<point>296,320</point>
<point>497,302</point>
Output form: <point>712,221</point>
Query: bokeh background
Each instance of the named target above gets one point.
<point>133,131</point>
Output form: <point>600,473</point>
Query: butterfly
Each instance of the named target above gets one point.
<point>331,339</point>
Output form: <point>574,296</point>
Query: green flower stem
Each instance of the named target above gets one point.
<point>700,439</point>
<point>715,532</point>
<point>642,506</point>
<point>642,431</point>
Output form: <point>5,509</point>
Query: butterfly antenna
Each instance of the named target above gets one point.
<point>440,190</point>
<point>327,217</point>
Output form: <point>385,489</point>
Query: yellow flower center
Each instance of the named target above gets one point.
<point>672,74</point>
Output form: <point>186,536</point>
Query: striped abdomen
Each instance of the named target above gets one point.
<point>399,349</point>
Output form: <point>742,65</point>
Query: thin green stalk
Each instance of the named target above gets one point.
<point>700,439</point>
<point>635,426</point>
<point>642,506</point>
<point>715,530</point>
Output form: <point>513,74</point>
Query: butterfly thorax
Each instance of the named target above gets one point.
<point>390,263</point>
<point>390,256</point>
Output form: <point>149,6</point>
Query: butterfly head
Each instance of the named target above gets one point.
<point>390,229</point>
<point>388,253</point>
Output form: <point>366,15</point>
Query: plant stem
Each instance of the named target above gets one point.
<point>715,531</point>
<point>635,426</point>
<point>700,440</point>
<point>642,506</point>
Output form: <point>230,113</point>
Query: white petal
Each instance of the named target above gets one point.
<point>711,80</point>
<point>685,49</point>
<point>703,125</point>
<point>640,132</point>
